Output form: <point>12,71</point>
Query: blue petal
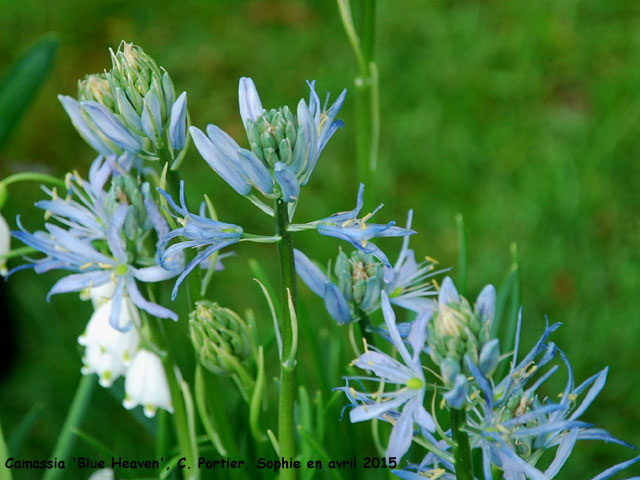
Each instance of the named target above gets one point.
<point>111,127</point>
<point>74,110</point>
<point>562,453</point>
<point>448,292</point>
<point>600,380</point>
<point>249,100</point>
<point>218,163</point>
<point>609,472</point>
<point>390,322</point>
<point>288,182</point>
<point>310,273</point>
<point>151,308</point>
<point>486,303</point>
<point>336,304</point>
<point>255,171</point>
<point>79,281</point>
<point>457,396</point>
<point>384,366</point>
<point>178,122</point>
<point>402,432</point>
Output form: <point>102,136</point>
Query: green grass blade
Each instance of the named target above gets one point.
<point>462,255</point>
<point>5,473</point>
<point>96,444</point>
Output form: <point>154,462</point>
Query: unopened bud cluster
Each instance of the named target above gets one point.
<point>130,108</point>
<point>220,337</point>
<point>276,137</point>
<point>458,333</point>
<point>360,279</point>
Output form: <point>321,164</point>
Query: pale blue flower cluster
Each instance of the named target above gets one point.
<point>96,237</point>
<point>507,420</point>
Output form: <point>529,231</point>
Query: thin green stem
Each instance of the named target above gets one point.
<point>367,104</point>
<point>462,451</point>
<point>185,435</point>
<point>364,323</point>
<point>76,413</point>
<point>32,177</point>
<point>286,427</point>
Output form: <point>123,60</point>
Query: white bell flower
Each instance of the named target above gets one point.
<point>109,351</point>
<point>5,244</point>
<point>146,384</point>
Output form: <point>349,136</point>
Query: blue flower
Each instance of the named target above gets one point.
<point>407,373</point>
<point>72,250</point>
<point>346,226</point>
<point>283,148</point>
<point>514,426</point>
<point>361,278</point>
<point>198,231</point>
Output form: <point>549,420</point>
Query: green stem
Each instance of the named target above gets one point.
<point>363,323</point>
<point>32,177</point>
<point>186,437</point>
<point>286,428</point>
<point>462,451</point>
<point>367,103</point>
<point>74,418</point>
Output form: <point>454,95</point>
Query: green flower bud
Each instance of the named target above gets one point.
<point>96,87</point>
<point>220,337</point>
<point>274,138</point>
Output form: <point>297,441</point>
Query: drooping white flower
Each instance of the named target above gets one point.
<point>5,243</point>
<point>146,384</point>
<point>109,351</point>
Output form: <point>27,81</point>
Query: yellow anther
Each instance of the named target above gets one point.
<point>435,284</point>
<point>366,346</point>
<point>431,259</point>
<point>474,395</point>
<point>104,265</point>
<point>86,265</point>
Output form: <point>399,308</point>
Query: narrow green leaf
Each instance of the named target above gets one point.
<point>20,433</point>
<point>22,81</point>
<point>96,444</point>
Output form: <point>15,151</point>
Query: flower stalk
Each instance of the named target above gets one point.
<point>462,451</point>
<point>286,432</point>
<point>367,103</point>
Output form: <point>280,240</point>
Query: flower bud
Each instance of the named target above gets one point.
<point>220,337</point>
<point>131,108</point>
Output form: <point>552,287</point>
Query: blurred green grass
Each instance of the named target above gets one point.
<point>523,116</point>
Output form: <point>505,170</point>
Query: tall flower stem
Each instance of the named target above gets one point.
<point>462,451</point>
<point>76,413</point>
<point>286,427</point>
<point>367,101</point>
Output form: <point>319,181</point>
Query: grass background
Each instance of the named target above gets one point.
<point>523,116</point>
